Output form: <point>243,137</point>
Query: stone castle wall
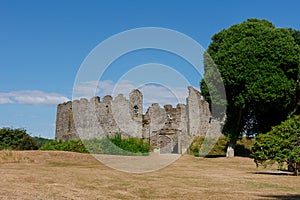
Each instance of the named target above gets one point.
<point>168,129</point>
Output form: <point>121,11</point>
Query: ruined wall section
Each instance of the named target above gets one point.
<point>128,114</point>
<point>184,137</point>
<point>136,112</point>
<point>166,118</point>
<point>198,113</point>
<point>156,119</point>
<point>167,128</point>
<point>65,128</point>
<point>85,117</point>
<point>105,117</point>
<point>181,118</point>
<point>95,118</point>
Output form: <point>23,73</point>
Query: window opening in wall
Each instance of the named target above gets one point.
<point>107,109</point>
<point>169,118</point>
<point>135,110</point>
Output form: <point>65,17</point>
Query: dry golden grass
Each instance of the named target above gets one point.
<point>7,156</point>
<point>66,175</point>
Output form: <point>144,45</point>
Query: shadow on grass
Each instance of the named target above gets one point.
<point>289,196</point>
<point>242,151</point>
<point>212,156</point>
<point>286,173</point>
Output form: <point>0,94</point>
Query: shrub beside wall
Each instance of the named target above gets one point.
<point>115,145</point>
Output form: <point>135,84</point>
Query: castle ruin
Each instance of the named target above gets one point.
<point>168,129</point>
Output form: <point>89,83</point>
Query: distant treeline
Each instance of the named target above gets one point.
<point>17,139</point>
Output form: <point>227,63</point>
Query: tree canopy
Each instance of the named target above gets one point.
<point>259,65</point>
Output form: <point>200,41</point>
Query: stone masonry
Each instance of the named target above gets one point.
<point>167,129</point>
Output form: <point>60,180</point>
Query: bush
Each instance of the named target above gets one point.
<point>130,145</point>
<point>41,141</point>
<point>75,146</point>
<point>115,145</point>
<point>281,145</point>
<point>104,146</point>
<point>16,139</point>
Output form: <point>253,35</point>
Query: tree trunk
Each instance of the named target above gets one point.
<point>294,167</point>
<point>231,145</point>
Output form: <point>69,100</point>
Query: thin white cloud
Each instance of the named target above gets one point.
<point>5,100</point>
<point>31,97</point>
<point>101,88</point>
<point>164,95</point>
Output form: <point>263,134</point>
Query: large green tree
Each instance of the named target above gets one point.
<point>296,110</point>
<point>259,66</point>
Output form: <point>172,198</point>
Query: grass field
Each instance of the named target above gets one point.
<point>67,175</point>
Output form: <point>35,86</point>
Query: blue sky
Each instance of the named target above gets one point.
<point>43,44</point>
